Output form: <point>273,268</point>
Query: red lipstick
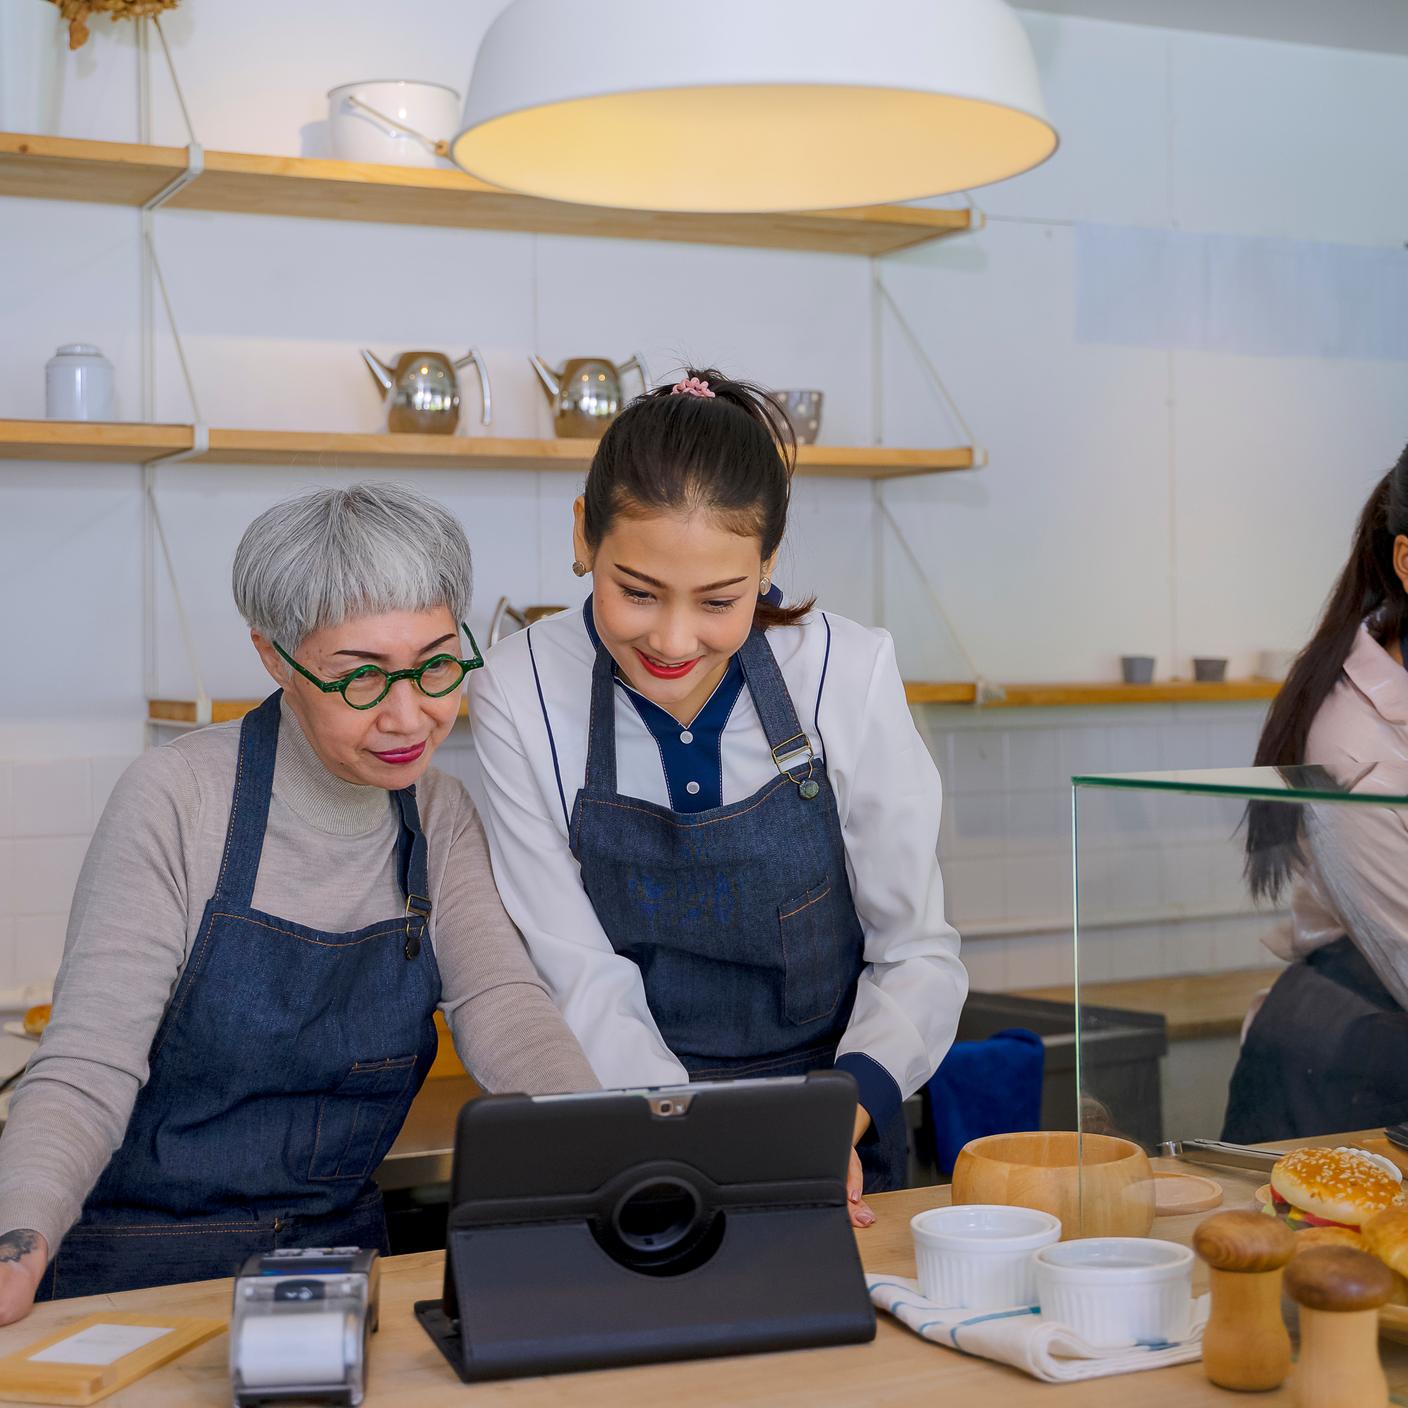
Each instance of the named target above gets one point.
<point>666,672</point>
<point>399,757</point>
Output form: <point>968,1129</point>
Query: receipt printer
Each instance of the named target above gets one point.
<point>300,1325</point>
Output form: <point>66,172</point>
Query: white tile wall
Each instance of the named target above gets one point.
<point>38,947</point>
<point>52,798</point>
<point>7,951</point>
<point>1034,760</point>
<point>1161,884</point>
<point>48,809</point>
<point>1161,881</point>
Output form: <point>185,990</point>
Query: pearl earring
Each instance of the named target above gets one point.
<point>764,585</point>
<point>579,568</point>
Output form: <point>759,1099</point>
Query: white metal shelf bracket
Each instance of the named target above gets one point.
<point>195,164</point>
<point>200,443</point>
<point>986,691</point>
<point>154,536</point>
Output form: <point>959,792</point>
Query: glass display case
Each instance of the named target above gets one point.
<point>1263,914</point>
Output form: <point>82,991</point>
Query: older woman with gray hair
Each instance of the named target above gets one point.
<point>267,919</point>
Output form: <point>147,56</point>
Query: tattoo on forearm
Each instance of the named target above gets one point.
<point>20,1242</point>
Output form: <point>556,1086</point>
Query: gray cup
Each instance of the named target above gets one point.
<point>803,409</point>
<point>1137,669</point>
<point>1209,669</point>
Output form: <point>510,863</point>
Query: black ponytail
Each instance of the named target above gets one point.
<point>733,453</point>
<point>1368,587</point>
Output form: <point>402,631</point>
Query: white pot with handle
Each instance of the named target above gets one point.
<point>392,122</point>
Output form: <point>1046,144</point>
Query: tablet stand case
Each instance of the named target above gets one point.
<point>636,1238</point>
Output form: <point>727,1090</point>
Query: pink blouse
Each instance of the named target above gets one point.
<point>1356,879</point>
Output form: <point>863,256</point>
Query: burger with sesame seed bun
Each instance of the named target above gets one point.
<point>1334,1187</point>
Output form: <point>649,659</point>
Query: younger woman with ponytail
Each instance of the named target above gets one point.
<point>710,813</point>
<point>1328,1049</point>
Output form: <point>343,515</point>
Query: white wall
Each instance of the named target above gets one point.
<point>1139,498</point>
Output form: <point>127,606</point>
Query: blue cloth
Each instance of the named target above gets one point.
<point>740,918</point>
<point>281,1073</point>
<point>985,1087</point>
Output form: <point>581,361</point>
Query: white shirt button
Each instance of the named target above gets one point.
<point>692,788</point>
<point>686,737</point>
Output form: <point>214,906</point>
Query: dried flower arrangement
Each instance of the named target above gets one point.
<point>76,12</point>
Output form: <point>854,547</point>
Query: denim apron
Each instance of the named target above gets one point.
<point>740,918</point>
<point>280,1075</point>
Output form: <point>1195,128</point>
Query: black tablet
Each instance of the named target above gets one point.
<point>624,1227</point>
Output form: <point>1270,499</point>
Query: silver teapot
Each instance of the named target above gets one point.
<point>505,611</point>
<point>423,393</point>
<point>586,392</point>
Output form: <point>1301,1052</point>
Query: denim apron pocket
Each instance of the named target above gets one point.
<point>815,949</point>
<point>352,1119</point>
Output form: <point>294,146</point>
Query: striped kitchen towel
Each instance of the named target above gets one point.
<point>1020,1337</point>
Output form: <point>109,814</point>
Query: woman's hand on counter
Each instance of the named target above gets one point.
<point>23,1257</point>
<point>861,1215</point>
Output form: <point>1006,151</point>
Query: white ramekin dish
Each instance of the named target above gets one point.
<point>980,1254</point>
<point>1117,1291</point>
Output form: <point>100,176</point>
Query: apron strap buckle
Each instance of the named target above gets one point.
<point>792,753</point>
<point>417,915</point>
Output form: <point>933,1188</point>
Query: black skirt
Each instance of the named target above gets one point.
<point>1328,1052</point>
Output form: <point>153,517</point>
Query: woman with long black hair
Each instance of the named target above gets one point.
<point>1328,1049</point>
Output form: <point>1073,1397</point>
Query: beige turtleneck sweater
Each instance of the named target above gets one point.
<point>329,862</point>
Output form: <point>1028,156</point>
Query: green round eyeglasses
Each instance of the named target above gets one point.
<point>368,685</point>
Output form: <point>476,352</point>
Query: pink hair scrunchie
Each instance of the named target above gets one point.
<point>692,386</point>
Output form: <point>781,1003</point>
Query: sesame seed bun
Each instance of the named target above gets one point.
<point>1334,1185</point>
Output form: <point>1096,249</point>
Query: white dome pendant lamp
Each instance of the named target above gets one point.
<point>752,105</point>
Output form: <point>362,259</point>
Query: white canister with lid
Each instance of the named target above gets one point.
<point>78,383</point>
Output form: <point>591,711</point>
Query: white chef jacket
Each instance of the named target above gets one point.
<point>529,708</point>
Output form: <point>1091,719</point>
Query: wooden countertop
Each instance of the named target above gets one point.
<point>1193,1004</point>
<point>898,1368</point>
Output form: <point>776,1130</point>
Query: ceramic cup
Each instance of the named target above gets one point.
<point>1117,1291</point>
<point>1137,669</point>
<point>980,1254</point>
<point>1209,668</point>
<point>803,409</point>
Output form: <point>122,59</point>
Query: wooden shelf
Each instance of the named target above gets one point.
<point>123,173</point>
<point>133,443</point>
<point>222,711</point>
<point>1019,696</point>
<point>1080,696</point>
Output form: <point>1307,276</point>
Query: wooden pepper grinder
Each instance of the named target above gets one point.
<point>1339,1291</point>
<point>1245,1345</point>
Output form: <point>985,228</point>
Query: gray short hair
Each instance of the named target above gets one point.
<point>315,560</point>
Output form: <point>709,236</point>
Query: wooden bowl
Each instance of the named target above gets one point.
<point>1112,1195</point>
